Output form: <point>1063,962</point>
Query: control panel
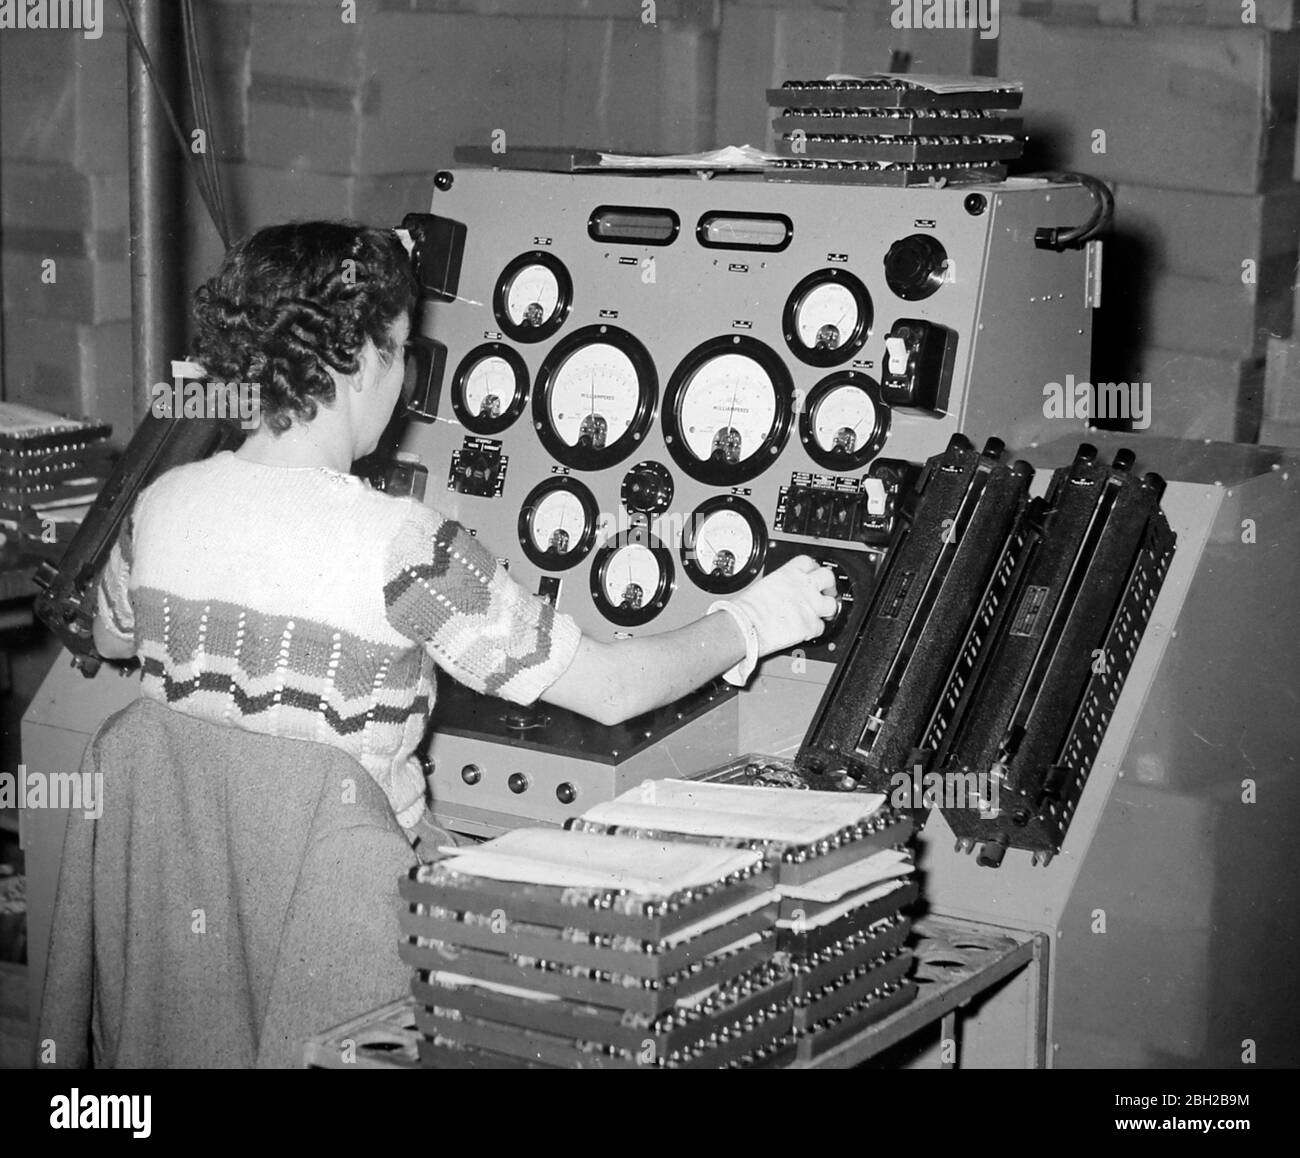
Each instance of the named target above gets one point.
<point>655,387</point>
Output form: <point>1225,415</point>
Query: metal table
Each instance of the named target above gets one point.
<point>956,962</point>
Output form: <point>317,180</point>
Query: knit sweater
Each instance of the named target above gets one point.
<point>299,602</point>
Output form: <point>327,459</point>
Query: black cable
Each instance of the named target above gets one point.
<point>196,170</point>
<point>203,117</point>
<point>1060,237</point>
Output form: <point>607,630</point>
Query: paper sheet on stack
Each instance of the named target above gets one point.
<point>51,469</point>
<point>575,949</point>
<point>844,877</point>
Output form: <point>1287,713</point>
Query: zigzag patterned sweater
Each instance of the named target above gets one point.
<point>299,602</point>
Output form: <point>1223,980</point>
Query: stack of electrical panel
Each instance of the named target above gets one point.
<point>843,874</point>
<point>568,949</point>
<point>896,130</point>
<point>51,469</point>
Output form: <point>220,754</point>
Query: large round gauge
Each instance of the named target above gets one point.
<point>557,523</point>
<point>724,543</point>
<point>490,388</point>
<point>532,297</point>
<point>727,410</point>
<point>632,577</point>
<point>844,423</point>
<point>827,317</point>
<point>595,397</point>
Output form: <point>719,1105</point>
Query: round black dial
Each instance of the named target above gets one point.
<point>595,397</point>
<point>490,388</point>
<point>915,266</point>
<point>827,317</point>
<point>557,523</point>
<point>727,410</point>
<point>647,488</point>
<point>632,578</point>
<point>724,543</point>
<point>844,422</point>
<point>533,297</point>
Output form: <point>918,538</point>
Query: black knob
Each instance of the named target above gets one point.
<point>471,773</point>
<point>648,488</point>
<point>443,180</point>
<point>915,266</point>
<point>517,783</point>
<point>566,793</point>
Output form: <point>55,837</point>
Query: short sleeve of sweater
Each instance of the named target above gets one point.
<point>113,598</point>
<point>444,589</point>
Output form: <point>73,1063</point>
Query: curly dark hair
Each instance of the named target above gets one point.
<point>291,301</point>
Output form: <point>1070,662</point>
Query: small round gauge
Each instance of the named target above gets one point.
<point>490,388</point>
<point>632,578</point>
<point>827,317</point>
<point>532,297</point>
<point>724,543</point>
<point>557,523</point>
<point>727,410</point>
<point>595,397</point>
<point>844,422</point>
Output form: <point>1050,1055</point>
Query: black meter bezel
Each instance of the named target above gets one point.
<point>710,471</point>
<point>742,577</point>
<point>586,457</point>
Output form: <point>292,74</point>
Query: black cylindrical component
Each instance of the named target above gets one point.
<point>1154,482</point>
<point>992,851</point>
<point>1124,459</point>
<point>157,196</point>
<point>1086,453</point>
<point>517,783</point>
<point>994,447</point>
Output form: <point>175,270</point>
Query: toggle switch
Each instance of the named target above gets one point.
<point>896,357</point>
<point>917,370</point>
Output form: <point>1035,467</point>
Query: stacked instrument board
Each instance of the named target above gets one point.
<point>843,874</point>
<point>682,925</point>
<point>552,948</point>
<point>51,469</point>
<point>896,130</point>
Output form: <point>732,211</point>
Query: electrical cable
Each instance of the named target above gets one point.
<point>201,176</point>
<point>1061,237</point>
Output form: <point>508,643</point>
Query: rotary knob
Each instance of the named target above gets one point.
<point>647,488</point>
<point>915,266</point>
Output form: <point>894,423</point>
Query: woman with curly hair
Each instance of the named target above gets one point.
<point>270,589</point>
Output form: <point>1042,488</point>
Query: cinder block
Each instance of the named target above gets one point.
<point>1173,106</point>
<point>71,367</point>
<point>1202,396</point>
<point>65,98</point>
<point>1209,235</point>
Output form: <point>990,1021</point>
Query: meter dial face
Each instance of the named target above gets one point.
<point>557,523</point>
<point>490,388</point>
<point>632,578</point>
<point>827,317</point>
<point>532,297</point>
<point>727,410</point>
<point>723,544</point>
<point>844,423</point>
<point>595,397</point>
